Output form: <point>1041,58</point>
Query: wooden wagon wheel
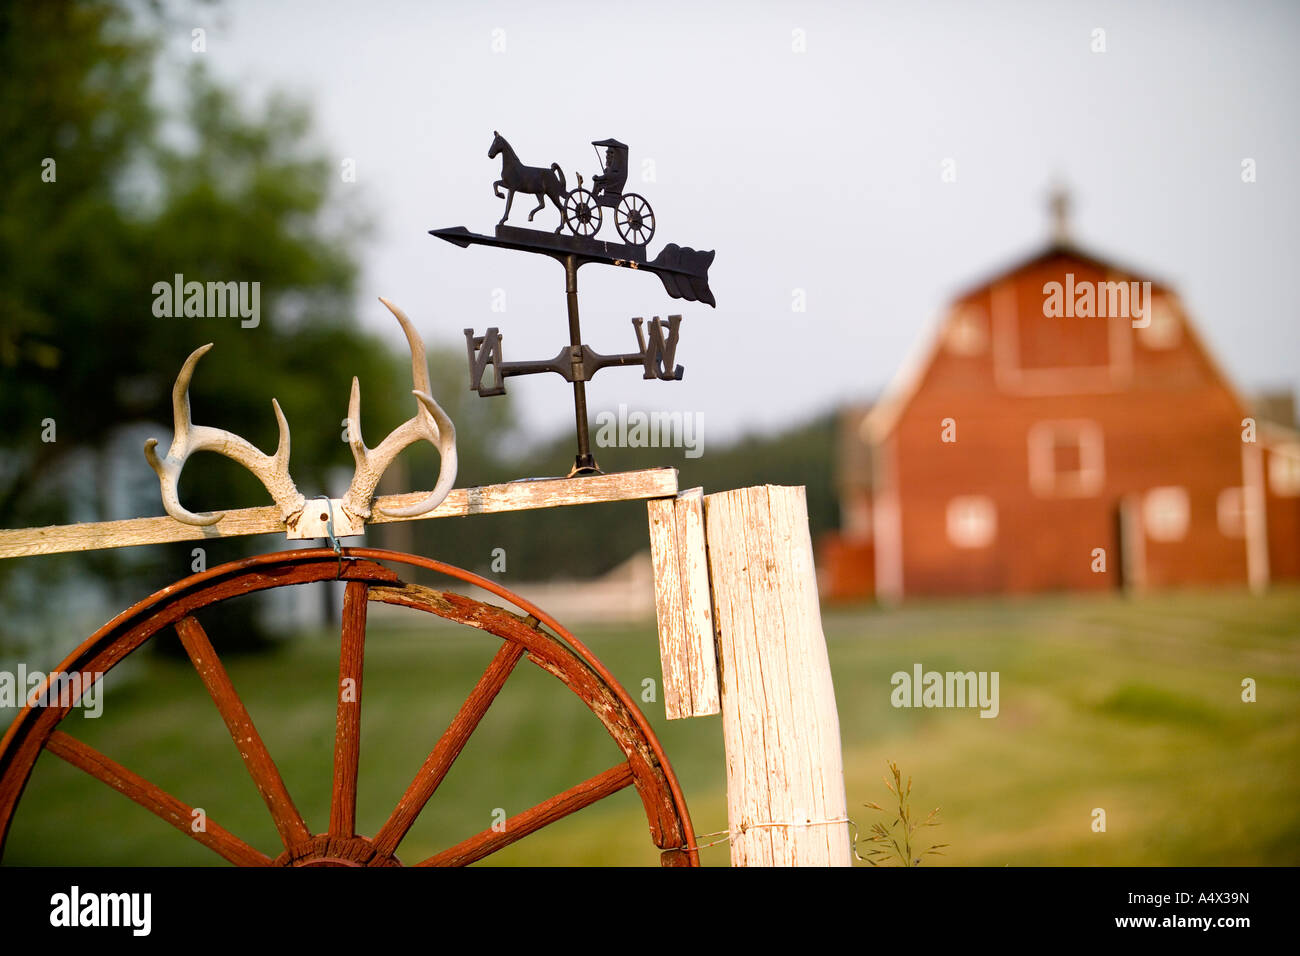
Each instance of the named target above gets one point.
<point>557,652</point>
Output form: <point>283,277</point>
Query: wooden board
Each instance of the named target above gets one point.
<point>785,772</point>
<point>682,605</point>
<point>488,499</point>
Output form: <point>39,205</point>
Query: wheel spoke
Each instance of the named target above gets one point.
<point>448,748</point>
<point>288,821</point>
<point>154,799</point>
<point>347,732</point>
<point>530,821</point>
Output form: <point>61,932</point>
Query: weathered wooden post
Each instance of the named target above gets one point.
<point>785,775</point>
<point>683,605</point>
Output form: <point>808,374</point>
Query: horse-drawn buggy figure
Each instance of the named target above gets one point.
<point>633,217</point>
<point>580,208</point>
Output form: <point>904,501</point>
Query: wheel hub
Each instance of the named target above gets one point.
<point>324,850</point>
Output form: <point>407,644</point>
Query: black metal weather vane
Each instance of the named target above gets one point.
<point>683,271</point>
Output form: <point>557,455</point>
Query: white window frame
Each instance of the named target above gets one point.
<point>1153,519</point>
<point>1165,330</point>
<point>961,533</point>
<point>1011,376</point>
<point>1231,512</point>
<point>1043,478</point>
<point>1284,470</point>
<point>968,332</point>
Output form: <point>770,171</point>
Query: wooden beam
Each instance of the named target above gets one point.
<point>524,495</point>
<point>785,772</point>
<point>682,605</point>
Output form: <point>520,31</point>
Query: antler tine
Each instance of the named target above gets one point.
<point>271,470</point>
<point>429,423</point>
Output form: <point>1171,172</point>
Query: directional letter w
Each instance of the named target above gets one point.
<point>657,352</point>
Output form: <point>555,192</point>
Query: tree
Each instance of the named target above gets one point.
<point>107,199</point>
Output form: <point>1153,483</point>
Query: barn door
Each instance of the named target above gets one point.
<point>1131,540</point>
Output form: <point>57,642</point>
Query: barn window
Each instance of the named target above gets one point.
<point>1232,512</point>
<point>967,333</point>
<point>1066,459</point>
<point>1165,514</point>
<point>1284,471</point>
<point>1163,331</point>
<point>972,521</point>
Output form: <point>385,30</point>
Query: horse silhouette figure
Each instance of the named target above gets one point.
<point>535,180</point>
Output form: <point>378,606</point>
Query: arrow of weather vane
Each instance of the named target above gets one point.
<point>683,271</point>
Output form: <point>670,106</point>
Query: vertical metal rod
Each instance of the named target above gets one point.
<point>585,462</point>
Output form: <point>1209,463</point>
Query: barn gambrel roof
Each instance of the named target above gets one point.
<point>883,417</point>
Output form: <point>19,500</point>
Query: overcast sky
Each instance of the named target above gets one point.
<point>817,170</point>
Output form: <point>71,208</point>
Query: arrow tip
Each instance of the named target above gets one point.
<point>454,235</point>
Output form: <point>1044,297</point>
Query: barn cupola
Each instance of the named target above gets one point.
<point>1058,206</point>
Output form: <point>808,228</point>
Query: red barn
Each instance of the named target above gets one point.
<point>1066,429</point>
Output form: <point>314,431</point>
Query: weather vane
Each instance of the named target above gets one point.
<point>684,273</point>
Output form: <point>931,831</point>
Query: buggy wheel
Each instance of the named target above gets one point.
<point>528,633</point>
<point>582,213</point>
<point>635,219</point>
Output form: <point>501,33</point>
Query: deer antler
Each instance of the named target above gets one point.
<point>430,423</point>
<point>272,470</point>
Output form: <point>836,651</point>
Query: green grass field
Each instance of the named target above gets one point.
<point>1131,706</point>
